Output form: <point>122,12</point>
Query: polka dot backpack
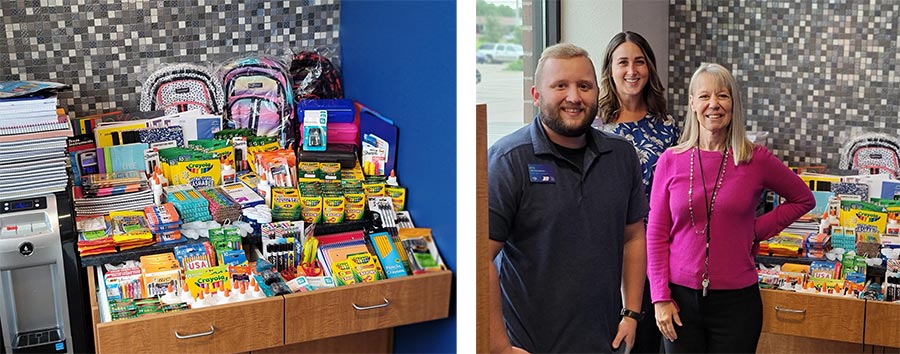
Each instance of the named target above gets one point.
<point>182,87</point>
<point>872,153</point>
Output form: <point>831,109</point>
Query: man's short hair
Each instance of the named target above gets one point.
<point>558,51</point>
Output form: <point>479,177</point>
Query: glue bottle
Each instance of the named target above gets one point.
<point>264,190</point>
<point>893,227</point>
<point>200,302</point>
<point>392,180</point>
<point>227,172</point>
<point>242,292</point>
<point>170,297</point>
<point>163,181</point>
<point>156,187</point>
<point>226,297</point>
<point>186,294</point>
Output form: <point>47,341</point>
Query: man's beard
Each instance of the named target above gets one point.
<point>550,118</point>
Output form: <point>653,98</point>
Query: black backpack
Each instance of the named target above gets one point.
<point>315,77</point>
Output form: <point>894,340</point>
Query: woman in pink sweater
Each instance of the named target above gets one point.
<point>703,231</point>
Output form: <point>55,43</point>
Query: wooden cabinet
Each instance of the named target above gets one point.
<point>379,341</point>
<point>883,324</point>
<point>353,318</point>
<point>813,316</point>
<point>365,307</point>
<point>238,327</point>
<point>805,323</point>
<point>785,344</point>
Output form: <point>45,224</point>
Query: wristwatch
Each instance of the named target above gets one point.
<point>637,316</point>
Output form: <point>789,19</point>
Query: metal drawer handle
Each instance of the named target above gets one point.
<point>189,336</point>
<point>777,308</point>
<point>361,308</point>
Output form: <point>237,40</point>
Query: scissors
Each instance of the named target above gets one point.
<point>311,269</point>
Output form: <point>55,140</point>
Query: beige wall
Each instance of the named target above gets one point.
<point>591,23</point>
<point>650,18</point>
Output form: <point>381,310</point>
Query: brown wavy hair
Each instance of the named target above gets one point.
<point>654,92</point>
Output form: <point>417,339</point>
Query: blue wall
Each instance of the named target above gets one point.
<point>399,58</point>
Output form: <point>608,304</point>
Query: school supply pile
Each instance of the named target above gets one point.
<point>103,193</point>
<point>817,244</point>
<point>191,206</point>
<point>164,223</point>
<point>221,206</point>
<point>783,245</point>
<point>93,238</point>
<point>129,229</point>
<point>421,250</point>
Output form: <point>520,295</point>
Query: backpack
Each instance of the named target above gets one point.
<point>180,88</point>
<point>872,153</point>
<point>315,77</point>
<point>258,97</point>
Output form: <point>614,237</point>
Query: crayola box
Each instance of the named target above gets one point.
<point>221,148</point>
<point>211,278</point>
<point>197,173</point>
<point>311,207</point>
<point>863,217</point>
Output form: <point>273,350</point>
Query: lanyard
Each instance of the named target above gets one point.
<point>709,208</point>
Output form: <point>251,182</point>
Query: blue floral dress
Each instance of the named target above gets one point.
<point>650,138</point>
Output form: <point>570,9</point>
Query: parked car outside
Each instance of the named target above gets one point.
<point>500,52</point>
<point>480,58</point>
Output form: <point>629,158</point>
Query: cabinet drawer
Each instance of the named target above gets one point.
<point>365,307</point>
<point>882,327</point>
<point>237,327</point>
<point>814,316</point>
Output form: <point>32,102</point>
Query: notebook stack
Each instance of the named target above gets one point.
<point>108,192</point>
<point>32,139</point>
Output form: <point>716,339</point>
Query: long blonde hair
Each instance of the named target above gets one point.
<point>741,147</point>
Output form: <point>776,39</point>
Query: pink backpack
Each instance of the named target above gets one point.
<point>258,96</point>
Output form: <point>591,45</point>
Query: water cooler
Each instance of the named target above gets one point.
<point>42,287</point>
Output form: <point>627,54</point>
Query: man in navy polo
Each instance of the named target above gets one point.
<point>567,210</point>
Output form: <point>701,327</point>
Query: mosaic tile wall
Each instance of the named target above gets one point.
<point>102,48</point>
<point>813,73</point>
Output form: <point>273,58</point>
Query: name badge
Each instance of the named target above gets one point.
<point>541,173</point>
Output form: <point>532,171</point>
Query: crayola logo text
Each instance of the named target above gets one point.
<point>198,168</point>
<point>867,218</point>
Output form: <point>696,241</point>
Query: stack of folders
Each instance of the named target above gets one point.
<point>113,191</point>
<point>32,147</point>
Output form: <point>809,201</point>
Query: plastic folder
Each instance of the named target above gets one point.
<point>371,122</point>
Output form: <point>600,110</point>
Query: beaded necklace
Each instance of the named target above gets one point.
<point>709,204</point>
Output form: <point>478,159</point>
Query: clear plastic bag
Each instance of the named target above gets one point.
<point>316,73</point>
<point>258,96</point>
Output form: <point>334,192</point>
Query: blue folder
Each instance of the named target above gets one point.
<point>371,122</point>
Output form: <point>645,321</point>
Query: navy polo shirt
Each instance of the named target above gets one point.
<point>561,264</point>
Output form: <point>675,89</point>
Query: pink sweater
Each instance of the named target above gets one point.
<point>675,252</point>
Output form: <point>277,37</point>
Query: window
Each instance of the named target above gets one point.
<point>505,60</point>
